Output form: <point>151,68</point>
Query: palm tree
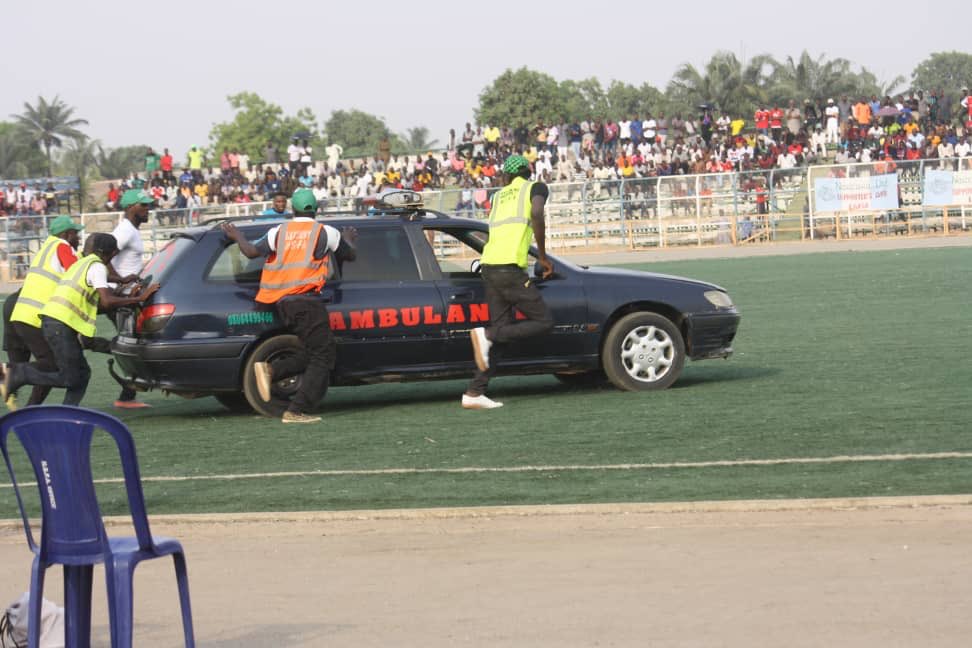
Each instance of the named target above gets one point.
<point>79,159</point>
<point>48,123</point>
<point>417,139</point>
<point>725,82</point>
<point>816,78</point>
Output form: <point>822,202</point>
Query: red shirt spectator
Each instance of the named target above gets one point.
<point>776,118</point>
<point>166,163</point>
<point>761,117</point>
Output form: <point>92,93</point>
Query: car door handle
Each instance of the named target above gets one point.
<point>327,297</point>
<point>464,295</point>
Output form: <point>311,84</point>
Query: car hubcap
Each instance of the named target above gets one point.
<point>647,353</point>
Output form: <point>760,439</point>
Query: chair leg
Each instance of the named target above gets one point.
<point>182,579</point>
<point>37,572</point>
<point>77,605</point>
<point>118,577</point>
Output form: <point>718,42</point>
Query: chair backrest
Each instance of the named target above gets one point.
<point>57,440</point>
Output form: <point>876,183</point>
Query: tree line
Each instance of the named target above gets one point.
<point>47,137</point>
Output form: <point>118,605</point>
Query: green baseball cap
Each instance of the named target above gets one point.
<point>303,201</point>
<point>134,197</point>
<point>62,224</point>
<point>514,164</point>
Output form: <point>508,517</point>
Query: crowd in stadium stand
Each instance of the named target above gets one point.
<point>838,130</point>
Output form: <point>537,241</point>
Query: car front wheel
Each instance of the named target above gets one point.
<point>643,351</point>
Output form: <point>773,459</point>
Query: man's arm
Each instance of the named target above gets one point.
<point>246,247</point>
<point>108,299</point>
<point>540,233</point>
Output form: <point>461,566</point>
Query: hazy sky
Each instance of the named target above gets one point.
<point>158,73</point>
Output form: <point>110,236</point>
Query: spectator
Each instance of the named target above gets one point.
<point>165,164</point>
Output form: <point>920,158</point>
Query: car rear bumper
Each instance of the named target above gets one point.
<point>710,335</point>
<point>214,365</point>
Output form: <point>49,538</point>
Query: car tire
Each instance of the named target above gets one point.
<point>281,391</point>
<point>643,351</point>
<point>234,402</point>
<point>591,378</point>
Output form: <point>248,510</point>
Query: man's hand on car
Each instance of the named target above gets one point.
<point>548,268</point>
<point>349,234</point>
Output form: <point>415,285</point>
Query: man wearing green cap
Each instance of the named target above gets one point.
<point>68,317</point>
<point>297,266</point>
<point>54,257</point>
<point>127,264</point>
<point>516,217</point>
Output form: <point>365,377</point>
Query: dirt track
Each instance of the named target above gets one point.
<point>811,573</point>
<point>720,575</point>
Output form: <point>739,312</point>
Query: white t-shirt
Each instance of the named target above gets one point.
<point>624,129</point>
<point>128,261</point>
<point>293,152</point>
<point>333,235</point>
<point>97,276</point>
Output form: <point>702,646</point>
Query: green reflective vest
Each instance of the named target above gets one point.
<point>39,284</point>
<point>74,302</point>
<point>510,230</point>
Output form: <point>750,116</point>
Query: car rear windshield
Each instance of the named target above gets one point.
<point>163,262</point>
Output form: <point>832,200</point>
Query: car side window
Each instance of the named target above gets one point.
<point>455,250</point>
<point>383,254</point>
<point>232,265</point>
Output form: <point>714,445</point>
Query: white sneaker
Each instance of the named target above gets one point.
<point>481,347</point>
<point>261,371</point>
<point>479,402</point>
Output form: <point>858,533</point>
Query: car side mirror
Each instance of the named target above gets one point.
<point>476,266</point>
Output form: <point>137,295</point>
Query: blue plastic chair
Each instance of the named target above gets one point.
<point>57,440</point>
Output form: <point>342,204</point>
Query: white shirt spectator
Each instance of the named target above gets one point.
<point>624,129</point>
<point>552,134</point>
<point>963,149</point>
<point>649,129</point>
<point>293,152</point>
<point>128,261</point>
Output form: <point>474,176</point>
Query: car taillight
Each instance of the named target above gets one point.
<point>153,318</point>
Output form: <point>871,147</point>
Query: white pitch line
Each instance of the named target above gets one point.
<point>538,469</point>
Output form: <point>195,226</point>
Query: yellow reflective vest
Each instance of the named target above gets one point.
<point>510,229</point>
<point>74,302</point>
<point>39,284</point>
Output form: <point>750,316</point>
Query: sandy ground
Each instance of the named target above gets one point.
<point>875,572</point>
<point>809,573</point>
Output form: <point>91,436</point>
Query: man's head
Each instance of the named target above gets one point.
<point>516,166</point>
<point>279,202</point>
<point>102,244</point>
<point>304,202</point>
<point>65,228</point>
<point>136,203</point>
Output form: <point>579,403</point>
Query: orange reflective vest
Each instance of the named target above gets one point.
<point>292,269</point>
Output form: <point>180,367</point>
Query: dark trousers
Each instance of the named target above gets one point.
<point>33,337</point>
<point>72,373</point>
<point>508,288</point>
<point>307,318</point>
<point>127,393</point>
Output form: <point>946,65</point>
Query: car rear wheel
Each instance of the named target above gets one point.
<point>234,402</point>
<point>643,351</point>
<point>281,391</point>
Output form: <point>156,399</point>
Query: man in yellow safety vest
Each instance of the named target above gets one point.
<point>69,314</point>
<point>55,256</point>
<point>515,218</point>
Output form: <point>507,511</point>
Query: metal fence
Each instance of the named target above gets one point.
<point>636,213</point>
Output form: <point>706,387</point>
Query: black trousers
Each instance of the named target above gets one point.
<point>33,337</point>
<point>72,370</point>
<point>307,318</point>
<point>509,288</point>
